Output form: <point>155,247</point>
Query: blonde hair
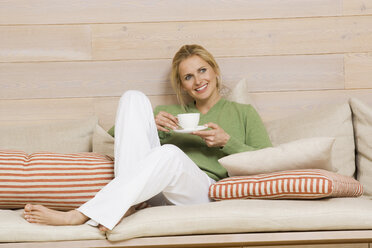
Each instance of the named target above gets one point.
<point>183,53</point>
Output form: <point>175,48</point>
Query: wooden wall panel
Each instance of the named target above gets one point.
<point>83,79</point>
<point>44,43</point>
<point>69,108</point>
<point>75,58</point>
<point>285,73</point>
<point>234,38</point>
<point>112,78</point>
<point>46,109</point>
<point>113,11</point>
<point>105,108</point>
<point>357,7</point>
<point>270,105</point>
<point>276,105</point>
<point>358,70</point>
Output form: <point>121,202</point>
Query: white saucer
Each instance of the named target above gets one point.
<point>198,128</point>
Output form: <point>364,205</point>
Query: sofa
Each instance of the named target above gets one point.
<point>258,221</point>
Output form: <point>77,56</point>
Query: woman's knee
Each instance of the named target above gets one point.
<point>171,158</point>
<point>171,150</point>
<point>132,94</point>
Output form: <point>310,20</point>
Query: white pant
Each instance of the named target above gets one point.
<point>143,168</point>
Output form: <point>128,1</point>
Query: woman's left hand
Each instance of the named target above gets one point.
<point>217,137</point>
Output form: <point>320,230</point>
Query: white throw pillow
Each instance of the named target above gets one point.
<point>312,153</point>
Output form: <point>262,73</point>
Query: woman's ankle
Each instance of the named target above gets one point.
<point>75,217</point>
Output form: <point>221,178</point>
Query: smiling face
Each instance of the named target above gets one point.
<point>198,79</point>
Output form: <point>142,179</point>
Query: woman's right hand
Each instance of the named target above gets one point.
<point>165,120</point>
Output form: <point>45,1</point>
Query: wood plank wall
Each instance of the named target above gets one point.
<point>74,58</point>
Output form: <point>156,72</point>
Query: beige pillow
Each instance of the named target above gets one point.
<point>103,143</point>
<point>240,93</point>
<point>362,120</point>
<point>327,122</point>
<point>312,153</point>
<point>63,136</point>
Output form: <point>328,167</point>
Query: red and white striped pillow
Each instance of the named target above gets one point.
<point>292,184</point>
<point>58,181</point>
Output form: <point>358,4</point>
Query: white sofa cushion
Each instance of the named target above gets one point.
<point>14,228</point>
<point>63,136</point>
<point>362,121</point>
<point>236,216</point>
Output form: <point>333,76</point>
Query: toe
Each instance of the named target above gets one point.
<point>29,219</point>
<point>103,228</point>
<point>38,207</point>
<point>28,208</point>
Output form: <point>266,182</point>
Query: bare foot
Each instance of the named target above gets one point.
<point>103,228</point>
<point>130,211</point>
<point>43,215</point>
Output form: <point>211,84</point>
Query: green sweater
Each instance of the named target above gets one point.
<point>240,121</point>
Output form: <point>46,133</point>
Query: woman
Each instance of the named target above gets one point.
<point>184,167</point>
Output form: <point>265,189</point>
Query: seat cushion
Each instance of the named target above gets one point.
<point>257,215</point>
<point>14,228</point>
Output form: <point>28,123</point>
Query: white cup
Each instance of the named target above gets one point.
<point>189,120</point>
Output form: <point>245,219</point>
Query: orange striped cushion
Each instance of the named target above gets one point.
<point>58,181</point>
<point>292,184</point>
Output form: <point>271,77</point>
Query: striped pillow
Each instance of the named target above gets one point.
<point>58,181</point>
<point>291,184</point>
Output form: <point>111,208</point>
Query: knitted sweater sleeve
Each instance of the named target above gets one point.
<point>256,136</point>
